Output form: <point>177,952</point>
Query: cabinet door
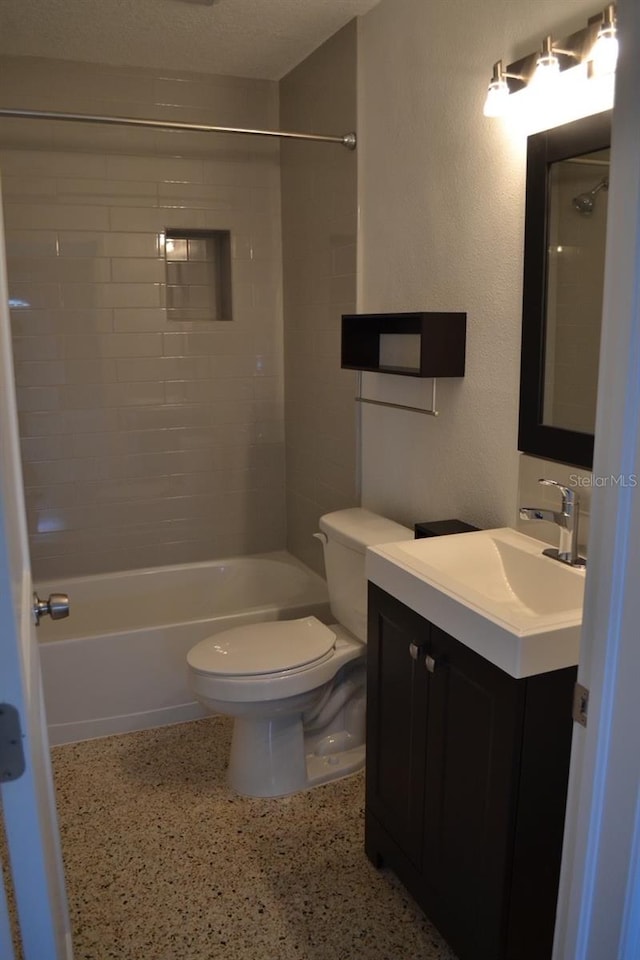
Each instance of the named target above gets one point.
<point>396,723</point>
<point>474,726</point>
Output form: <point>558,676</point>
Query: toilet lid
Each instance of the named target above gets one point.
<point>260,648</point>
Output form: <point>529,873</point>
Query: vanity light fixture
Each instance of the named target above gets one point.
<point>595,45</point>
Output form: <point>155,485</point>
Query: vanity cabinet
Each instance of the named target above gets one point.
<point>467,774</point>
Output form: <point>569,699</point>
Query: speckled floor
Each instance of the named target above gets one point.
<point>163,862</point>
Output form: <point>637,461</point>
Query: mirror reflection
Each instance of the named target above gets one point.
<point>577,222</point>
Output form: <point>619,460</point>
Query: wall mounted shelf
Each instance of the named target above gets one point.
<point>405,344</point>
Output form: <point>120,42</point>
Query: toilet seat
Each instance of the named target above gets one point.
<point>314,668</point>
<point>262,649</point>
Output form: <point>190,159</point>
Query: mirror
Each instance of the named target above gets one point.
<point>565,230</point>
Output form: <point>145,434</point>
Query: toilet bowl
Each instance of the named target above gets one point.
<point>276,679</point>
<point>296,688</point>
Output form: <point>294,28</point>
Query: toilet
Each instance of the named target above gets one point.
<point>296,688</point>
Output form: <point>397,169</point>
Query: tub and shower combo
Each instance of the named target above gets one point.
<point>119,662</point>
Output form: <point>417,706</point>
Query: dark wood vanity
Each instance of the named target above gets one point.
<point>467,773</point>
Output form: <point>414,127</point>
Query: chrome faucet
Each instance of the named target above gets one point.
<point>566,519</point>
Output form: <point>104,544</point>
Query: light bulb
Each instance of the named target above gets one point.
<point>547,67</point>
<point>546,73</point>
<point>604,54</point>
<point>498,93</point>
<point>497,97</point>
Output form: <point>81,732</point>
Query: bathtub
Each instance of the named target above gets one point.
<point>118,662</point>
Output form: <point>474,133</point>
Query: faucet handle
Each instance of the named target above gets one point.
<point>569,497</point>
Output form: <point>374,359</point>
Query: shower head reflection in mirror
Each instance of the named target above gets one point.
<point>585,202</point>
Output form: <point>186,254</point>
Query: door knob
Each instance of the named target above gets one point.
<point>56,607</point>
<point>430,664</point>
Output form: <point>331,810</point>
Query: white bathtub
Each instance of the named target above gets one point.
<point>118,662</point>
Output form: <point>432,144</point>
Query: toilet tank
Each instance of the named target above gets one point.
<point>347,534</point>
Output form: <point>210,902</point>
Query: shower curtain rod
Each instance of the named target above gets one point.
<point>348,140</point>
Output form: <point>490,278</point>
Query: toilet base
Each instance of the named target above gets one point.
<point>335,766</point>
<point>268,758</point>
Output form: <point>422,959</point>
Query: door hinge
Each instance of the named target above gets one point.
<point>580,704</point>
<point>12,762</point>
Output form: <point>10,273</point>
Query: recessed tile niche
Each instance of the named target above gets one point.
<point>198,274</point>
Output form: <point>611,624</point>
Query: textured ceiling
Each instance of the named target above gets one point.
<point>248,38</point>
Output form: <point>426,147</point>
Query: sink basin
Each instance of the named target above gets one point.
<point>494,591</point>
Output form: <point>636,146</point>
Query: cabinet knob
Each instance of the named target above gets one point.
<point>430,664</point>
<point>414,651</point>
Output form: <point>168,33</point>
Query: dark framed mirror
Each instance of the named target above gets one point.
<point>565,230</point>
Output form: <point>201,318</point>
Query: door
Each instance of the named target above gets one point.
<point>599,905</point>
<point>28,803</point>
<point>396,724</point>
<point>474,729</point>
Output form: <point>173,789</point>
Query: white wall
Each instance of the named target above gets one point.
<point>442,218</point>
<point>319,229</point>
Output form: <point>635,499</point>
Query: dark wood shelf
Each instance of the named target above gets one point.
<point>441,351</point>
<point>383,368</point>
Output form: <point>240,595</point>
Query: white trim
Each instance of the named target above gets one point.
<point>73,732</point>
<point>28,803</point>
<point>599,905</point>
<point>6,940</point>
<point>631,919</point>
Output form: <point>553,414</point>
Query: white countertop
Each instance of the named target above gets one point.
<point>492,590</point>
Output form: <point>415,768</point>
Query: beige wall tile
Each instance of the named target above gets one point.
<point>89,370</point>
<point>155,422</point>
<point>75,295</point>
<point>32,243</point>
<point>155,168</point>
<point>35,216</point>
<point>26,295</point>
<point>29,189</point>
<point>37,348</point>
<point>38,398</point>
<point>78,244</point>
<point>147,219</point>
<point>200,196</point>
<point>113,345</point>
<point>140,318</point>
<point>107,192</point>
<point>53,321</point>
<point>36,373</point>
<point>56,269</point>
<point>78,396</point>
<point>48,163</point>
<point>137,270</point>
<point>45,448</point>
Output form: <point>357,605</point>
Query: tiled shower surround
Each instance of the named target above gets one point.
<point>145,440</point>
